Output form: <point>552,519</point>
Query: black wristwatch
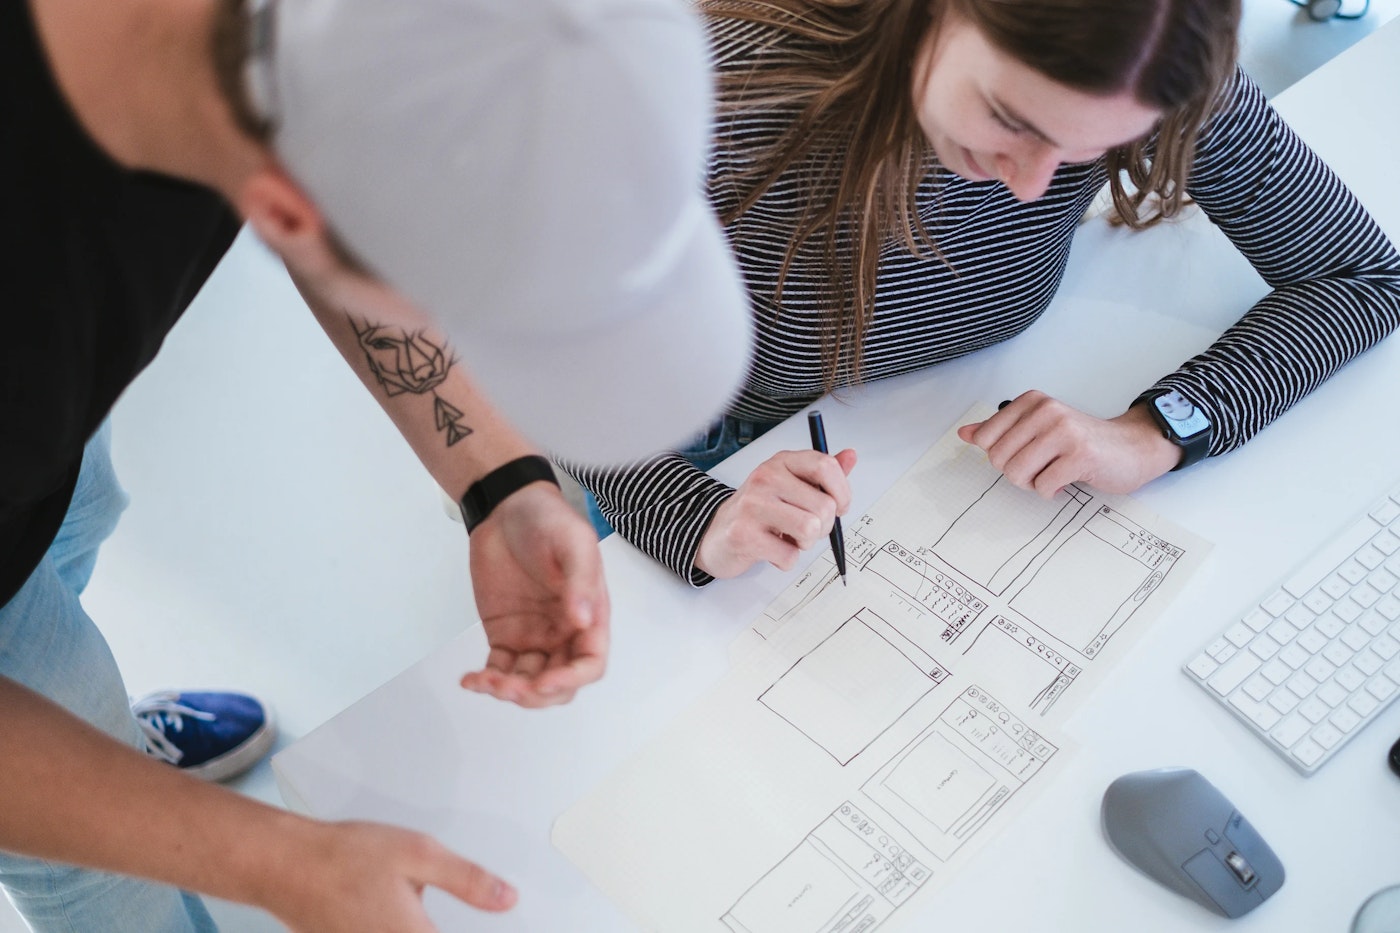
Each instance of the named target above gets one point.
<point>1183,424</point>
<point>488,492</point>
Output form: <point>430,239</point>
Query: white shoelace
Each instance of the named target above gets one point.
<point>157,710</point>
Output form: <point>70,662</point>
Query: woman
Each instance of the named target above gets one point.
<point>901,180</point>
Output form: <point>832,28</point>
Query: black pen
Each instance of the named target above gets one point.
<point>838,542</point>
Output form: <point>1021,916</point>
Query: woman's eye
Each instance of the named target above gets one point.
<point>1006,124</point>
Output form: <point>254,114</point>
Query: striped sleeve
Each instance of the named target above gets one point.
<point>662,505</point>
<point>1335,276</point>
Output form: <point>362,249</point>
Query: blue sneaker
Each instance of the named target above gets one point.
<point>214,736</point>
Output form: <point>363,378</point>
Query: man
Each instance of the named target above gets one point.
<point>523,173</point>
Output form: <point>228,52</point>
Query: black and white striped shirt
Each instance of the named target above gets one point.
<point>1335,279</point>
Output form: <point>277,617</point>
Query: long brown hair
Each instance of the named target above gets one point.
<point>861,151</point>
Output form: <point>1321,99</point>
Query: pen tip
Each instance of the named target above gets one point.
<point>843,579</point>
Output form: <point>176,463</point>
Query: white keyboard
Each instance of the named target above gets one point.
<point>1319,657</point>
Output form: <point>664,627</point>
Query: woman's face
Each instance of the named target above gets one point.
<point>988,116</point>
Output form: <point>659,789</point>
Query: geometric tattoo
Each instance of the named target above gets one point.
<point>409,362</point>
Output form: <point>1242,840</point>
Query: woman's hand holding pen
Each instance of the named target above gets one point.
<point>786,506</point>
<point>1042,444</point>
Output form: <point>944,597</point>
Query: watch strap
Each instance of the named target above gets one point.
<point>492,489</point>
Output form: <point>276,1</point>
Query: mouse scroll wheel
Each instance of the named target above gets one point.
<point>1241,868</point>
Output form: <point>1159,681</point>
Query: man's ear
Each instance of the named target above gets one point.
<point>282,215</point>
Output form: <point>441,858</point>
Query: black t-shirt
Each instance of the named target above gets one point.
<point>96,265</point>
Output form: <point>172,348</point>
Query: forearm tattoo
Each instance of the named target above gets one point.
<point>404,361</point>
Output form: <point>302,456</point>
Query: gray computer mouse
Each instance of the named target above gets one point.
<point>1174,826</point>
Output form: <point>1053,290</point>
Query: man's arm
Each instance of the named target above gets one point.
<point>536,570</point>
<point>75,795</point>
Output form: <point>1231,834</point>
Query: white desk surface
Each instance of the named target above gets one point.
<point>489,779</point>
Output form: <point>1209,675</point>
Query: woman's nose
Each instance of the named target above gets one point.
<point>1027,174</point>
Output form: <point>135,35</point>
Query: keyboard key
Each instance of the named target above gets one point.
<point>1365,594</point>
<point>1389,607</point>
<point>1372,623</point>
<point>1261,714</point>
<point>1277,672</point>
<point>1386,512</point>
<point>1344,720</point>
<point>1308,752</point>
<point>1314,710</point>
<point>1355,637</point>
<point>1385,647</point>
<point>1352,572</point>
<point>1363,703</point>
<point>1382,580</point>
<point>1258,619</point>
<point>1296,657</point>
<point>1220,649</point>
<point>1319,669</point>
<point>1264,646</point>
<point>1282,631</point>
<point>1386,542</point>
<point>1330,625</point>
<point>1381,687</point>
<point>1312,641</point>
<point>1317,601</point>
<point>1369,557</point>
<point>1258,687</point>
<point>1203,665</point>
<point>1278,602</point>
<point>1350,678</point>
<point>1284,701</point>
<point>1236,671</point>
<point>1290,730</point>
<point>1367,662</point>
<point>1239,635</point>
<point>1335,586</point>
<point>1332,694</point>
<point>1326,735</point>
<point>1347,610</point>
<point>1301,616</point>
<point>1337,653</point>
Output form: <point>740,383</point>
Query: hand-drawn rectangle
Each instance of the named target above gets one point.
<point>1000,534</point>
<point>846,876</point>
<point>939,782</point>
<point>1095,580</point>
<point>849,689</point>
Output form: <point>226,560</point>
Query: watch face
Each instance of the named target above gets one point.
<point>1183,418</point>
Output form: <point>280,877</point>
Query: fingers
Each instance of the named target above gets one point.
<point>786,506</point>
<point>538,678</point>
<point>1031,440</point>
<point>464,879</point>
<point>584,596</point>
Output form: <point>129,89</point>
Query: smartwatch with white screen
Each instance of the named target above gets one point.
<point>1183,424</point>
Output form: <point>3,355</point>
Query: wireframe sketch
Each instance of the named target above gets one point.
<point>853,686</point>
<point>1004,530</point>
<point>1030,673</point>
<point>848,874</point>
<point>951,779</point>
<point>1094,580</point>
<point>869,738</point>
<point>942,596</point>
<point>863,861</point>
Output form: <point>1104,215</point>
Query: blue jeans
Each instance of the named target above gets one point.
<point>726,436</point>
<point>48,644</point>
